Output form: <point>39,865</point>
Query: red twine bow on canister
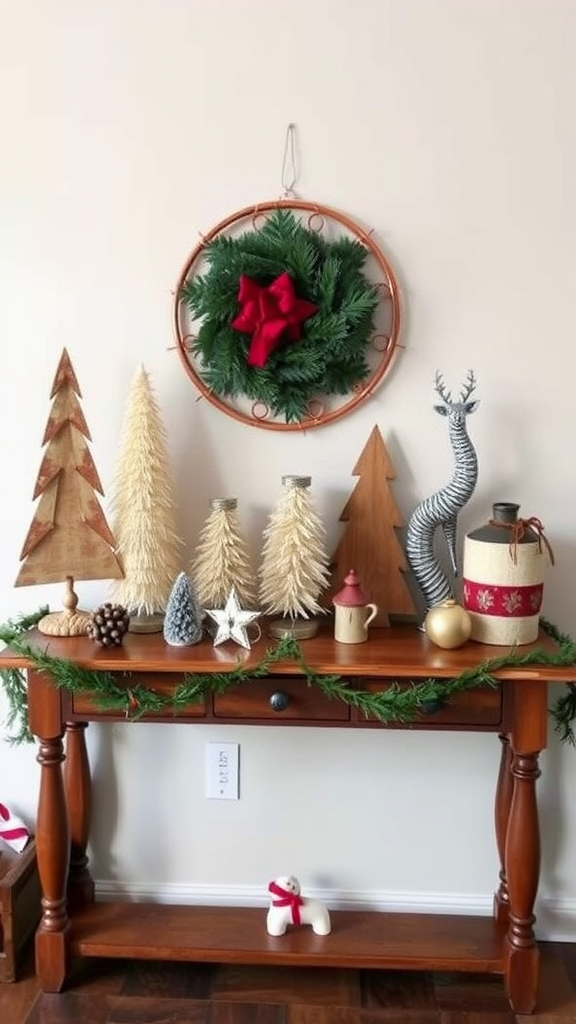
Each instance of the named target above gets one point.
<point>518,528</point>
<point>270,313</point>
<point>287,899</point>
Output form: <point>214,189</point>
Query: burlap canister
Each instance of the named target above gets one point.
<point>503,577</point>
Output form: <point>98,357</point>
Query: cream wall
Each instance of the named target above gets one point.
<point>446,126</point>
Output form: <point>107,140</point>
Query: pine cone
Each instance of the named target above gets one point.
<point>108,625</point>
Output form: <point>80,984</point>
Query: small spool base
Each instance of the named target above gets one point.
<point>146,623</point>
<point>298,629</point>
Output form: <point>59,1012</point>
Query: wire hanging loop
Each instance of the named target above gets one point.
<point>289,162</point>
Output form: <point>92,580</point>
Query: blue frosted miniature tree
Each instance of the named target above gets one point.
<point>183,618</point>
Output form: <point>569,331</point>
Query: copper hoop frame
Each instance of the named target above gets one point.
<point>360,392</point>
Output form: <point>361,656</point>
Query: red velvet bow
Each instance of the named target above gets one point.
<point>268,313</point>
<point>287,899</point>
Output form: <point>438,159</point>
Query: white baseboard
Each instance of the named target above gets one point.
<point>556,918</point>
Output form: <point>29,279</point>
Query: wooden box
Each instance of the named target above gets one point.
<point>19,905</point>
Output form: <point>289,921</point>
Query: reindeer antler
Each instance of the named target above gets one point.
<point>468,386</point>
<point>440,387</point>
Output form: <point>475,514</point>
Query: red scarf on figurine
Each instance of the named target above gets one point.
<point>287,899</point>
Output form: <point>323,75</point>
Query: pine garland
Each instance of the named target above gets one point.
<point>329,358</point>
<point>14,679</point>
<point>399,703</point>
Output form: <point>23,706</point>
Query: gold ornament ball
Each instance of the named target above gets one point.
<point>448,625</point>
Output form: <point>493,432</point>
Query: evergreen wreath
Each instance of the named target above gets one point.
<point>324,354</point>
<point>400,703</point>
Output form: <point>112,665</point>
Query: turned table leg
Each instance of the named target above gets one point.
<point>79,799</point>
<point>522,854</point>
<point>52,833</point>
<point>504,790</point>
<point>52,853</point>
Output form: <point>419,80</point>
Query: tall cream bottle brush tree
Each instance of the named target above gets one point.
<point>144,509</point>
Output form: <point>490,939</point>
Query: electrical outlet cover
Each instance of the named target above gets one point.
<point>222,774</point>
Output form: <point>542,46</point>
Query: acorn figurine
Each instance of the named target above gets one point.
<point>108,624</point>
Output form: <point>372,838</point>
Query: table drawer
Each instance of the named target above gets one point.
<point>163,684</point>
<point>476,708</point>
<point>277,699</point>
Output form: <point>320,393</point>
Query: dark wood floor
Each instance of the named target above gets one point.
<point>118,992</point>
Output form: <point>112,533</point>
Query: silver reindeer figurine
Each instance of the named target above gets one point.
<point>442,508</point>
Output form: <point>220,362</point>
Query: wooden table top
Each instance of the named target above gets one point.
<point>399,651</point>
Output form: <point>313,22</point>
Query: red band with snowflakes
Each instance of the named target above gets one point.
<point>507,602</point>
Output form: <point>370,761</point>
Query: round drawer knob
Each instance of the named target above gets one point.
<point>431,707</point>
<point>279,701</point>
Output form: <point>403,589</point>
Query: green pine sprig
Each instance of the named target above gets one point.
<point>14,679</point>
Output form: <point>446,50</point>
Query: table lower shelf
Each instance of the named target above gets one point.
<point>238,935</point>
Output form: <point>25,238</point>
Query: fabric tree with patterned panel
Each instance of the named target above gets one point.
<point>69,537</point>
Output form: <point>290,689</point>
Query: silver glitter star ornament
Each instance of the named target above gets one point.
<point>232,621</point>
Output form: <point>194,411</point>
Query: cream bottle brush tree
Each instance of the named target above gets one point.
<point>294,569</point>
<point>222,559</point>
<point>144,508</point>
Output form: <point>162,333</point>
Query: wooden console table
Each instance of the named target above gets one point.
<point>74,924</point>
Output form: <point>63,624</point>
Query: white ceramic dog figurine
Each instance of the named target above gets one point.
<point>289,907</point>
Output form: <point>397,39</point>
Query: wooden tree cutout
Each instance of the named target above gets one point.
<point>69,535</point>
<point>370,544</point>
